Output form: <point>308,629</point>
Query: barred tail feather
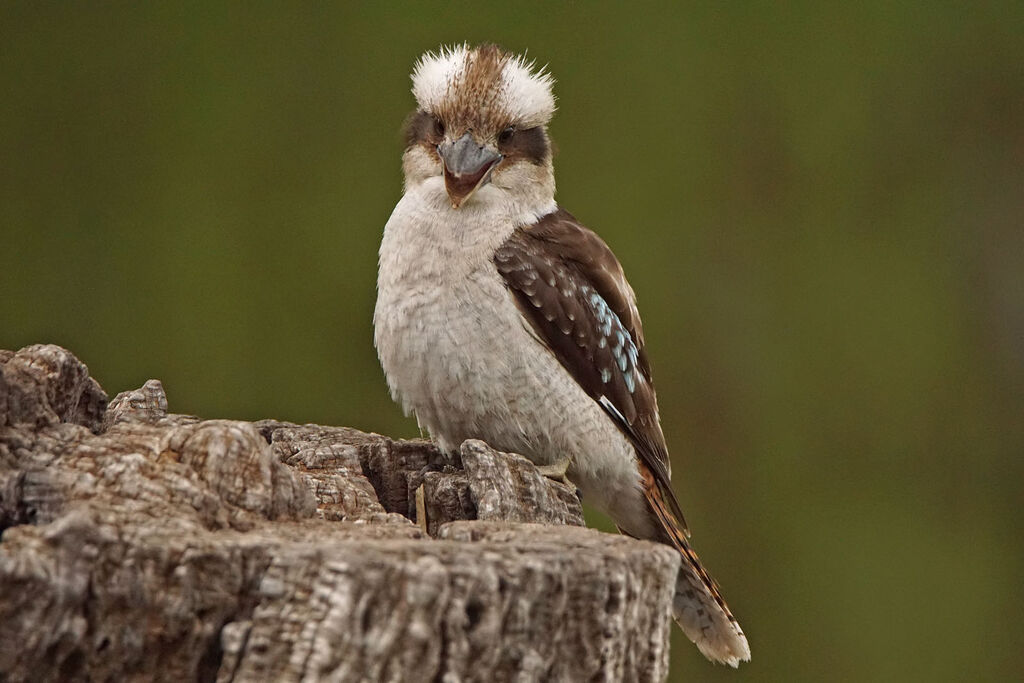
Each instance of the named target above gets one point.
<point>698,606</point>
<point>701,612</point>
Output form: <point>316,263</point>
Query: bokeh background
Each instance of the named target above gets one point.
<point>821,207</point>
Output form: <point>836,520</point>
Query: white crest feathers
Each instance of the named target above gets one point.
<point>524,91</point>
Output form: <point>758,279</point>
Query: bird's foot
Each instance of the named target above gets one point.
<point>439,461</point>
<point>431,467</point>
<point>556,471</point>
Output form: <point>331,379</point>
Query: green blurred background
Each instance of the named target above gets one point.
<point>821,208</point>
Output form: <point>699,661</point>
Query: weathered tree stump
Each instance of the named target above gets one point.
<point>142,545</point>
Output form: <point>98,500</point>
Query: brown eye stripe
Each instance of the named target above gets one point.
<point>530,144</point>
<point>420,127</point>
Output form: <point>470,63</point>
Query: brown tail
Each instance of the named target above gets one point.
<point>698,607</point>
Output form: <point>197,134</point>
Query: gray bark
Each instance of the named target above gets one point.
<point>142,545</point>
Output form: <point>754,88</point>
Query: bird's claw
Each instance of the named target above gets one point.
<point>556,471</point>
<point>431,467</point>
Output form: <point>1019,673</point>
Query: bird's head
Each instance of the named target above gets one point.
<point>481,125</point>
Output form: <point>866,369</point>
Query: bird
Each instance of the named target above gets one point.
<point>500,317</point>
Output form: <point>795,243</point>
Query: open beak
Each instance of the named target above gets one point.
<point>467,167</point>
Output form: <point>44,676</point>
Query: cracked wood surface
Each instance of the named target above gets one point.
<point>142,545</point>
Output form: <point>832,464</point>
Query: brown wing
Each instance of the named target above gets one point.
<point>572,290</point>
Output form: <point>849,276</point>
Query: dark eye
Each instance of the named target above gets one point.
<point>438,127</point>
<point>505,136</point>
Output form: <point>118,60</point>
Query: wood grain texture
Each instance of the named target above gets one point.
<point>142,545</point>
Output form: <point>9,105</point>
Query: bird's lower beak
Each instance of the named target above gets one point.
<point>467,167</point>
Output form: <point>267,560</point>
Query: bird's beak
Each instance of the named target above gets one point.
<point>467,167</point>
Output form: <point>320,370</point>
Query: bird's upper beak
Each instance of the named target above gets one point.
<point>467,167</point>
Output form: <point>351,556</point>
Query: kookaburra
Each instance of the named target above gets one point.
<point>500,317</point>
